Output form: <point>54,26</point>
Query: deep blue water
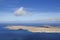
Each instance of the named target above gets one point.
<point>6,34</point>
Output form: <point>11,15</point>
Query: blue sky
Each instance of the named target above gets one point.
<point>41,10</point>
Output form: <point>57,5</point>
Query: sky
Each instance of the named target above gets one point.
<point>29,10</point>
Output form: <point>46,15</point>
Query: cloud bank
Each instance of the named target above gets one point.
<point>20,11</point>
<point>34,14</point>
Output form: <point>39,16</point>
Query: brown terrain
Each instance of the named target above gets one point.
<point>35,29</point>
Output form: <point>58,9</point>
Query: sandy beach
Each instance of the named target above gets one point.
<point>35,29</point>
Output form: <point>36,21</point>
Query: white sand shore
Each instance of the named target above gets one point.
<point>35,29</point>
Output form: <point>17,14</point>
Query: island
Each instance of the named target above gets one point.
<point>46,29</point>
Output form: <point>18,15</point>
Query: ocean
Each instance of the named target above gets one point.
<point>6,34</point>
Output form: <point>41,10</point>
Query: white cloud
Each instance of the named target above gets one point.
<point>20,11</point>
